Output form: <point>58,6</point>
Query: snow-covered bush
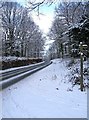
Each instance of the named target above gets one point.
<point>9,62</point>
<point>75,76</point>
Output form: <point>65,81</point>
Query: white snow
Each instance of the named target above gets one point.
<point>45,94</point>
<point>11,58</point>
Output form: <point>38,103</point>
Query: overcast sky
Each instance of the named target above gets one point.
<point>45,19</point>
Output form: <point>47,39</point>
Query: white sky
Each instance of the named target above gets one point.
<point>44,21</point>
<point>45,18</point>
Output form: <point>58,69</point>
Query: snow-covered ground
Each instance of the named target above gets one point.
<point>45,94</point>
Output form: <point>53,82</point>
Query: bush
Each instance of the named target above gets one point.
<point>18,63</point>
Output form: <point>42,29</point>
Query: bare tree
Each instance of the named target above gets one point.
<point>71,12</point>
<point>67,15</point>
<point>9,19</point>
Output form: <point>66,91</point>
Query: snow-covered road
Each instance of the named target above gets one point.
<point>45,94</point>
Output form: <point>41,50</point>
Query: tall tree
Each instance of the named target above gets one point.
<point>9,19</point>
<point>67,15</point>
<point>21,34</point>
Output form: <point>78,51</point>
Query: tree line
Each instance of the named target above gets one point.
<point>19,34</point>
<point>69,28</point>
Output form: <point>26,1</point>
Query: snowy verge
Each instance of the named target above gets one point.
<point>75,73</point>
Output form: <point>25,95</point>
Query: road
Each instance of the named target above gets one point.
<point>45,94</point>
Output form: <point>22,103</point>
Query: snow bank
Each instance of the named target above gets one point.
<point>11,58</point>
